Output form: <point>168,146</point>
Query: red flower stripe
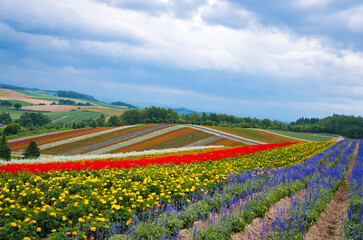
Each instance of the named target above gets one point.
<point>101,164</point>
<point>48,138</point>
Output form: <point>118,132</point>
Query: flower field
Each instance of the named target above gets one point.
<point>152,197</point>
<point>256,134</point>
<point>122,139</point>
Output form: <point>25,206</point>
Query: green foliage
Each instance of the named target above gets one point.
<point>38,119</point>
<point>12,128</point>
<point>113,121</point>
<point>5,151</point>
<point>17,106</point>
<point>348,126</point>
<point>5,118</point>
<point>4,103</point>
<point>32,151</point>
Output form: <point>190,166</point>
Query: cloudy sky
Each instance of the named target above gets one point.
<point>277,59</point>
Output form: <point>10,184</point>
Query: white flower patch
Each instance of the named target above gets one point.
<point>69,140</point>
<point>102,156</point>
<point>229,134</point>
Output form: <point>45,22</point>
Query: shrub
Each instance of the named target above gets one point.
<point>12,128</point>
<point>32,151</point>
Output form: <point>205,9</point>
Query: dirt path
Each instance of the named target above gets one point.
<point>262,226</point>
<point>329,224</point>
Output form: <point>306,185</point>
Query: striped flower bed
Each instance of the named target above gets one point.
<point>54,137</point>
<point>101,164</point>
<point>110,148</point>
<point>256,134</point>
<point>195,135</point>
<point>85,142</point>
<point>74,139</point>
<point>154,153</point>
<point>166,140</point>
<point>225,142</point>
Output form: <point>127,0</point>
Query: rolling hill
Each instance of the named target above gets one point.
<point>91,141</point>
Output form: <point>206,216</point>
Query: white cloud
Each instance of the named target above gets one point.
<point>311,3</point>
<point>203,40</point>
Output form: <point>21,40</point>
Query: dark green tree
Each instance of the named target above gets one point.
<point>5,151</point>
<point>5,118</point>
<point>101,121</point>
<point>113,121</point>
<point>17,106</point>
<point>32,151</point>
<point>12,128</point>
<point>38,119</point>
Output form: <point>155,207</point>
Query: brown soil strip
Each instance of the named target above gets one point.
<point>258,225</point>
<point>187,234</point>
<point>329,224</point>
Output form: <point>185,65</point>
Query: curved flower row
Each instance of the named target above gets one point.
<point>53,137</point>
<point>53,144</point>
<point>154,153</point>
<point>87,164</point>
<point>135,140</point>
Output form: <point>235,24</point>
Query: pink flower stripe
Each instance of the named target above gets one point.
<point>101,164</point>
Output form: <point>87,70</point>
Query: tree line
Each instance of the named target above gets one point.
<point>348,126</point>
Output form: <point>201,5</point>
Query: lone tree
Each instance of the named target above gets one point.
<point>17,106</point>
<point>5,151</point>
<point>32,151</point>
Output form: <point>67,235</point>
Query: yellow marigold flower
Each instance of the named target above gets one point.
<point>38,229</point>
<point>54,230</point>
<point>13,224</point>
<point>128,222</point>
<point>80,220</point>
<point>64,218</point>
<point>93,229</point>
<point>53,214</point>
<point>26,238</point>
<point>26,219</point>
<point>74,233</point>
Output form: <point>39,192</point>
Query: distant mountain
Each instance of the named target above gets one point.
<point>123,104</point>
<point>186,111</point>
<point>10,86</point>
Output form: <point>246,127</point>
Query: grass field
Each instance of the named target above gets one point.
<point>24,104</point>
<point>72,116</point>
<point>14,114</point>
<point>307,136</point>
<point>26,92</point>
